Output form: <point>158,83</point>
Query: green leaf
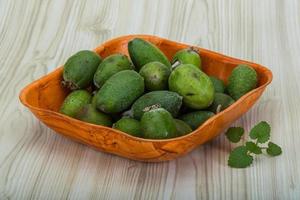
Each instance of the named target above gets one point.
<point>234,134</point>
<point>273,149</point>
<point>261,132</point>
<point>239,158</point>
<point>252,147</point>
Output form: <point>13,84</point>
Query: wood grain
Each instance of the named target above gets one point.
<point>36,36</point>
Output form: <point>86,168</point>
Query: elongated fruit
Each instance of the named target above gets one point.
<point>242,79</point>
<point>119,91</point>
<point>79,69</point>
<point>142,52</point>
<point>156,76</point>
<point>221,102</point>
<point>171,101</point>
<point>182,127</point>
<point>188,56</point>
<point>196,118</point>
<point>193,84</point>
<point>129,125</point>
<point>110,66</point>
<point>89,113</point>
<point>158,124</point>
<point>74,102</point>
<point>218,84</point>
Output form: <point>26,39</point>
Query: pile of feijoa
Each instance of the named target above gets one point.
<point>146,95</point>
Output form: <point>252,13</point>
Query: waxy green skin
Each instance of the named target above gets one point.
<point>110,66</point>
<point>79,69</point>
<point>142,52</point>
<point>119,91</point>
<point>221,102</point>
<point>218,84</point>
<point>74,102</point>
<point>171,101</point>
<point>188,56</point>
<point>158,124</point>
<point>193,84</point>
<point>130,126</point>
<point>182,127</point>
<point>242,79</point>
<point>196,118</point>
<point>89,113</point>
<point>156,76</point>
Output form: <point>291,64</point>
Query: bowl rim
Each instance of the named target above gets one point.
<point>225,58</point>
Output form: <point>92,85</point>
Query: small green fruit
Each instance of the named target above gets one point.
<point>193,84</point>
<point>196,118</point>
<point>110,66</point>
<point>171,101</point>
<point>129,125</point>
<point>155,75</point>
<point>74,102</point>
<point>242,79</point>
<point>182,127</point>
<point>89,113</point>
<point>221,102</point>
<point>158,124</point>
<point>188,56</point>
<point>120,91</point>
<point>79,69</point>
<point>142,52</point>
<point>218,84</point>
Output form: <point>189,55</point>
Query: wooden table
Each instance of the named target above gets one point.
<point>36,36</point>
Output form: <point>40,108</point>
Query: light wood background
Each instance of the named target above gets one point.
<point>36,36</point>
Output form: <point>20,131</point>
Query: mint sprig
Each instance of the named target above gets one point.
<point>242,156</point>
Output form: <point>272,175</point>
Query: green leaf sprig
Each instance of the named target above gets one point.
<point>242,156</point>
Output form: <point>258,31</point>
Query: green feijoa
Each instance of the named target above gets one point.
<point>221,102</point>
<point>110,66</point>
<point>196,118</point>
<point>142,52</point>
<point>155,75</point>
<point>129,125</point>
<point>74,102</point>
<point>193,84</point>
<point>93,101</point>
<point>182,127</point>
<point>89,113</point>
<point>171,101</point>
<point>218,84</point>
<point>187,56</point>
<point>158,124</point>
<point>242,79</point>
<point>79,69</point>
<point>120,91</point>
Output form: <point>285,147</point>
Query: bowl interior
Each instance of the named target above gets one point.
<point>49,94</point>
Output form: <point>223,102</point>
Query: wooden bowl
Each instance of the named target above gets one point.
<point>44,97</point>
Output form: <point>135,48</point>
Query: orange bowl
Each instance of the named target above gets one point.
<point>44,97</point>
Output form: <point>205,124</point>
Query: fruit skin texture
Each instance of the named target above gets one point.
<point>142,52</point>
<point>110,66</point>
<point>158,124</point>
<point>182,128</point>
<point>130,126</point>
<point>120,91</point>
<point>74,102</point>
<point>196,118</point>
<point>221,102</point>
<point>79,69</point>
<point>193,84</point>
<point>188,56</point>
<point>171,101</point>
<point>218,84</point>
<point>89,113</point>
<point>156,76</point>
<point>242,79</point>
